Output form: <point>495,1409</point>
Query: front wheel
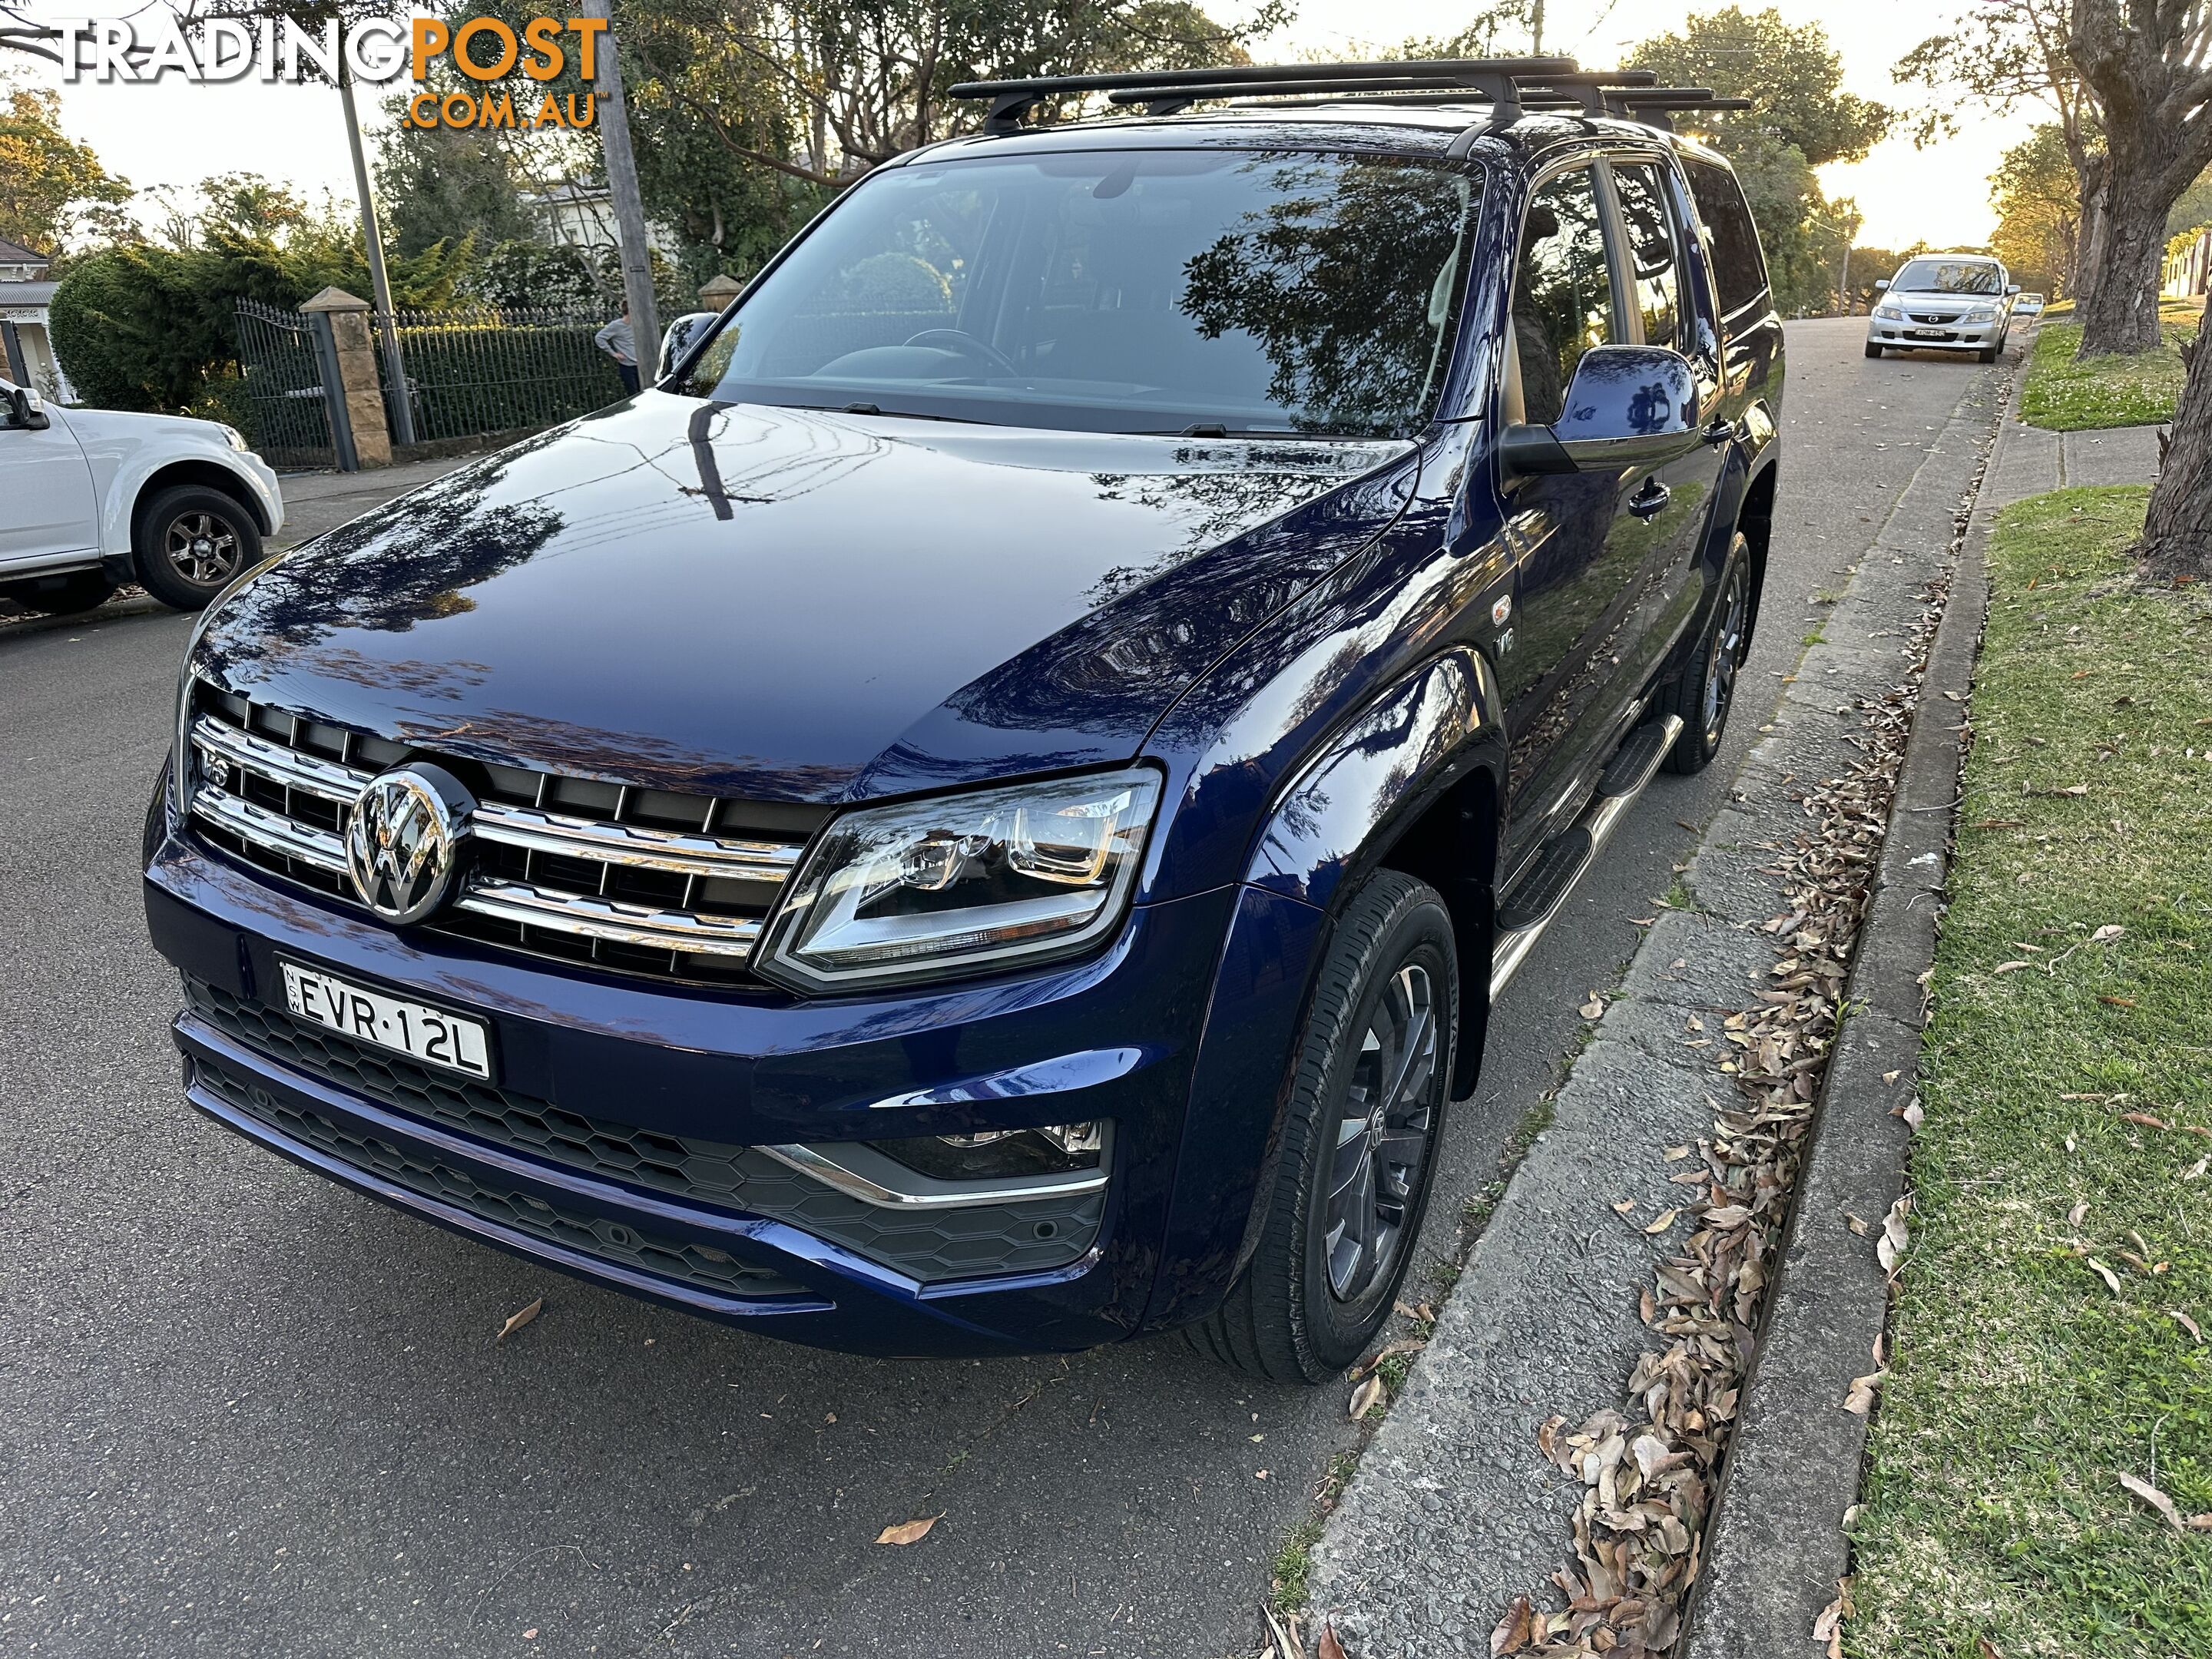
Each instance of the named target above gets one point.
<point>1705,690</point>
<point>1359,1140</point>
<point>191,540</point>
<point>1873,350</point>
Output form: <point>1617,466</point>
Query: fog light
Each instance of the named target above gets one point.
<point>999,1154</point>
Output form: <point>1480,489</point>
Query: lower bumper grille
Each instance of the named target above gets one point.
<point>417,1170</point>
<point>1032,1234</point>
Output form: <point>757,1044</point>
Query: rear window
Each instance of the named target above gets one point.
<point>1739,269</point>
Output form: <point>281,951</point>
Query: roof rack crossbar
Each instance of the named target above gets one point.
<point>1175,88</point>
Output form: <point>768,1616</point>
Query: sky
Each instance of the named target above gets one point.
<point>174,133</point>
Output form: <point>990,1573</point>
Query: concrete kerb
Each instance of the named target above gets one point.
<point>1777,1543</point>
<point>1452,1510</point>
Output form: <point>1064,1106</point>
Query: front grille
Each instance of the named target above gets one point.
<point>421,1171</point>
<point>639,880</point>
<point>1030,1235</point>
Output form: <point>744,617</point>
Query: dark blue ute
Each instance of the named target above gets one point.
<point>988,810</point>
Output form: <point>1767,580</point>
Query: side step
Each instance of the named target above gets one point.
<point>1527,910</point>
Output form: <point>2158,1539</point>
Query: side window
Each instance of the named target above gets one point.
<point>1739,269</point>
<point>1654,261</point>
<point>1562,296</point>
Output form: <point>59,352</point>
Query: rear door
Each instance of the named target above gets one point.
<point>46,483</point>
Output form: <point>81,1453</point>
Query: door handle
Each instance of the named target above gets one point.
<point>1652,500</point>
<point>1720,431</point>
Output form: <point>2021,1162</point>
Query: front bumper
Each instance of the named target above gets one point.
<point>1924,336</point>
<point>623,1140</point>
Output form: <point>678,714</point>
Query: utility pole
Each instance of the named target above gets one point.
<point>380,286</point>
<point>1536,29</point>
<point>613,119</point>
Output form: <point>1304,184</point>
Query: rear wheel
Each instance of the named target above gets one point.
<point>60,596</point>
<point>191,540</point>
<point>1705,690</point>
<point>1359,1140</point>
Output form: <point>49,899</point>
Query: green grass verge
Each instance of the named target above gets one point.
<point>2066,396</point>
<point>2022,1387</point>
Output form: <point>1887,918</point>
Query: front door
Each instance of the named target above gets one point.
<point>47,483</point>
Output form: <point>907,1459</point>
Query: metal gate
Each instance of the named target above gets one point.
<point>282,368</point>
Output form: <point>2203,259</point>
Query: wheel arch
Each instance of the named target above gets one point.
<point>1755,518</point>
<point>211,475</point>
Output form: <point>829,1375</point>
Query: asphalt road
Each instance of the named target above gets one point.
<point>245,1412</point>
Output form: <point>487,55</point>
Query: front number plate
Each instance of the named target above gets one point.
<point>429,1035</point>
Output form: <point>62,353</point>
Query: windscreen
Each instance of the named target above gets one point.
<point>1160,291</point>
<point>1947,276</point>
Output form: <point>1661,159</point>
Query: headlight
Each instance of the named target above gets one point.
<point>963,884</point>
<point>1890,313</point>
<point>1981,314</point>
<point>234,437</point>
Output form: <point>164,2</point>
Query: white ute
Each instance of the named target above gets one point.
<point>97,497</point>
<point>1944,303</point>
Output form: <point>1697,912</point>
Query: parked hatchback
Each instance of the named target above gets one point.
<point>988,810</point>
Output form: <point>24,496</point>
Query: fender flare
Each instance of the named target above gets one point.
<point>1428,731</point>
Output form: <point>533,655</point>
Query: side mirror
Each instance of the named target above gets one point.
<point>1881,284</point>
<point>682,335</point>
<point>27,409</point>
<point>2012,287</point>
<point>1626,405</point>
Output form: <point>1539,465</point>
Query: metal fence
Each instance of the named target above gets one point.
<point>287,410</point>
<point>471,372</point>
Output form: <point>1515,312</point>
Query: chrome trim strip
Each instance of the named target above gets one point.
<point>272,830</point>
<point>1509,951</point>
<point>809,1160</point>
<point>293,768</point>
<point>640,846</point>
<point>611,919</point>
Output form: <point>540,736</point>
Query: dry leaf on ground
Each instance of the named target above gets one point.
<point>1366,1396</point>
<point>1328,1647</point>
<point>2185,1322</point>
<point>1593,1009</point>
<point>1661,1222</point>
<point>515,1322</point>
<point>1861,1397</point>
<point>908,1532</point>
<point>2152,1496</point>
<point>2111,1279</point>
<point>1513,1631</point>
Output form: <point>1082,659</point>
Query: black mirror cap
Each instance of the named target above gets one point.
<point>676,341</point>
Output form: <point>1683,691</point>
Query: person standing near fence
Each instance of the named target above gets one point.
<point>619,344</point>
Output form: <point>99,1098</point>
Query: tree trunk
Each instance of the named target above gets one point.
<point>2177,538</point>
<point>2119,310</point>
<point>2089,239</point>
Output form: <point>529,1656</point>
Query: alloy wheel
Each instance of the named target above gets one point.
<point>1727,658</point>
<point>1382,1134</point>
<point>201,548</point>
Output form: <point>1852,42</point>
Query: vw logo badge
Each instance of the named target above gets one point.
<point>402,840</point>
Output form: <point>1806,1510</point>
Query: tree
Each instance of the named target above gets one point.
<point>443,183</point>
<point>2037,194</point>
<point>2146,65</point>
<point>49,183</point>
<point>1800,118</point>
<point>2177,535</point>
<point>2000,54</point>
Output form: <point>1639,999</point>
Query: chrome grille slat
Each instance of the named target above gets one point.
<point>603,884</point>
<point>274,831</point>
<point>611,919</point>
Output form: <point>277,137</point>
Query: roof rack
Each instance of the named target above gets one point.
<point>1495,78</point>
<point>1652,105</point>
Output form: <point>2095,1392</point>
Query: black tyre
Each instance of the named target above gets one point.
<point>1359,1139</point>
<point>1989,354</point>
<point>1704,691</point>
<point>1873,350</point>
<point>60,596</point>
<point>190,541</point>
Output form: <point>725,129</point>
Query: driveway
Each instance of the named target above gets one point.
<point>243,1412</point>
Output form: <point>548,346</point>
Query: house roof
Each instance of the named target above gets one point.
<point>14,253</point>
